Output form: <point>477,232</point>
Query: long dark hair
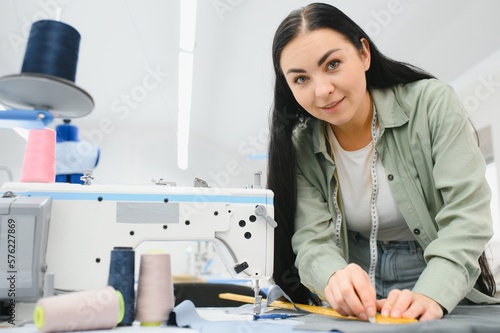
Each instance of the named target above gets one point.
<point>287,114</point>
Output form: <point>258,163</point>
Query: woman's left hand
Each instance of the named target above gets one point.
<point>407,304</point>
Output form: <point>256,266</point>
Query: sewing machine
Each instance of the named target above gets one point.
<point>78,226</point>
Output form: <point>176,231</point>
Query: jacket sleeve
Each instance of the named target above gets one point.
<point>318,257</point>
<point>464,223</point>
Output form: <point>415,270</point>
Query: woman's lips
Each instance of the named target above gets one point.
<point>332,107</point>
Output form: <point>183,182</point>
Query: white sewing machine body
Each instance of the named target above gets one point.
<point>88,221</point>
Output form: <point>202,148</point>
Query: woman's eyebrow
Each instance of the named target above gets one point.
<point>326,55</point>
<point>320,61</point>
<point>295,70</point>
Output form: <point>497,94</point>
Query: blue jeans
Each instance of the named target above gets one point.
<point>399,264</point>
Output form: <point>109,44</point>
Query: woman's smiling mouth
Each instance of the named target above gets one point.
<point>332,107</point>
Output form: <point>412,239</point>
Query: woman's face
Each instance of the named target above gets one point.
<point>326,75</point>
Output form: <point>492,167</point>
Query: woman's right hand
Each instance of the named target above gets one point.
<point>351,293</point>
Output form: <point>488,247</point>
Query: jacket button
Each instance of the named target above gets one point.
<point>390,177</point>
<point>416,231</point>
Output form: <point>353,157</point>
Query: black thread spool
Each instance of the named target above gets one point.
<point>122,278</point>
<point>52,49</point>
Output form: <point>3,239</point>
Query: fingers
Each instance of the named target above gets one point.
<point>431,309</point>
<point>396,303</point>
<point>346,296</point>
<point>380,303</point>
<point>367,295</point>
<point>334,297</point>
<point>406,304</point>
<point>350,292</point>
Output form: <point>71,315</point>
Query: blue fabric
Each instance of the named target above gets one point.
<point>464,319</point>
<point>187,316</point>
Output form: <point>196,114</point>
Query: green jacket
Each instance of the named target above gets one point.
<point>436,174</point>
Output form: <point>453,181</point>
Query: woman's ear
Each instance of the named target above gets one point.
<point>365,53</point>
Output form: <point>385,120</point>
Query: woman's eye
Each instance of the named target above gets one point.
<point>333,64</point>
<point>300,79</point>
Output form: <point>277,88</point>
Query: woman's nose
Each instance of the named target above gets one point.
<point>324,87</point>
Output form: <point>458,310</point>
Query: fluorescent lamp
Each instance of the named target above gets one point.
<point>187,25</point>
<point>185,81</point>
<point>187,35</point>
<point>182,140</point>
<point>184,107</point>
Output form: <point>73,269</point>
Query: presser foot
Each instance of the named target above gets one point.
<point>257,308</point>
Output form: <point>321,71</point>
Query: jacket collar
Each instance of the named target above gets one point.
<point>390,114</point>
<point>389,108</point>
<point>319,136</point>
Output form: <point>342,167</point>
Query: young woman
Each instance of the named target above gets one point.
<point>380,192</point>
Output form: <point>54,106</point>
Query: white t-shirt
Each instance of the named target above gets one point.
<point>354,175</point>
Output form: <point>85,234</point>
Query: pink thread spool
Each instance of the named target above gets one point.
<point>78,311</point>
<point>155,289</point>
<point>39,165</point>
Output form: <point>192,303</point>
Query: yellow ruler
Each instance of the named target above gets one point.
<point>314,309</point>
